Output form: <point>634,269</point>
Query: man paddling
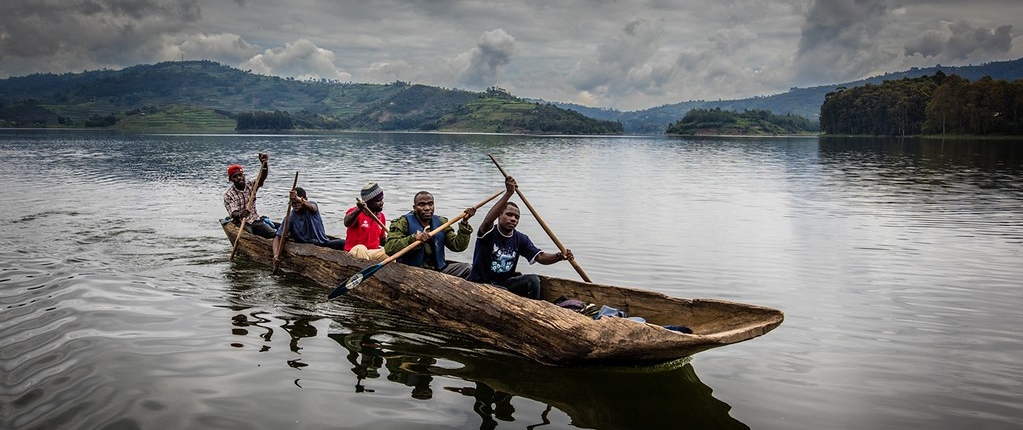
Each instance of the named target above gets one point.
<point>499,245</point>
<point>364,234</point>
<point>304,224</point>
<point>416,224</point>
<point>238,195</point>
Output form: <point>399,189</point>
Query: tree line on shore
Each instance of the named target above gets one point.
<point>935,104</point>
<point>748,122</point>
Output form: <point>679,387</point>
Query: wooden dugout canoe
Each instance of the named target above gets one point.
<point>536,329</point>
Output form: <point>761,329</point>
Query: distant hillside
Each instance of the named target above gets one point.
<point>805,102</point>
<point>206,90</point>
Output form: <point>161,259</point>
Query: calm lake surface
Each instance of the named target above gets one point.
<point>898,263</point>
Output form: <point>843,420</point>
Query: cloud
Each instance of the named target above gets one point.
<point>228,48</point>
<point>481,66</point>
<point>839,40</point>
<point>389,71</point>
<point>301,60</point>
<point>958,40</point>
<point>74,35</point>
<point>625,62</point>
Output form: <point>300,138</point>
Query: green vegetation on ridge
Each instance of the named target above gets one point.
<point>95,98</point>
<point>753,122</point>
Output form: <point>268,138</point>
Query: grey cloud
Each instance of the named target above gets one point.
<point>841,24</point>
<point>77,34</point>
<point>958,40</point>
<point>966,39</point>
<point>481,65</point>
<point>627,62</point>
<point>930,44</point>
<point>184,10</point>
<point>839,40</point>
<point>230,48</point>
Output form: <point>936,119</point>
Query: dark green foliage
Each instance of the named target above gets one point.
<point>748,122</point>
<point>935,104</point>
<point>27,113</point>
<point>276,120</point>
<point>101,121</point>
<point>548,118</point>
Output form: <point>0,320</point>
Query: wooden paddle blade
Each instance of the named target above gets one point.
<point>354,281</point>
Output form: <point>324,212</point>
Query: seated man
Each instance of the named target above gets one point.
<point>304,224</point>
<point>364,233</point>
<point>498,247</point>
<point>236,197</point>
<point>416,225</point>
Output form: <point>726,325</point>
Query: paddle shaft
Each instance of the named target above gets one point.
<point>248,206</point>
<point>370,214</point>
<point>357,278</point>
<point>284,228</point>
<point>547,229</point>
<point>450,222</point>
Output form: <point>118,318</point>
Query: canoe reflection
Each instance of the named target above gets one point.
<point>665,396</point>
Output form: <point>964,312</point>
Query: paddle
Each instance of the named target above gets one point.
<point>284,228</point>
<point>550,233</point>
<point>369,271</point>
<point>369,213</point>
<point>248,206</point>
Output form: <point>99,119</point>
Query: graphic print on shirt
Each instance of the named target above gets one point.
<point>502,260</point>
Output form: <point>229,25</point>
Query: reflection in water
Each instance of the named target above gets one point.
<point>490,404</point>
<point>412,371</point>
<point>667,396</point>
<point>368,356</point>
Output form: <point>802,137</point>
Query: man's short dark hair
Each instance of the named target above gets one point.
<point>300,191</point>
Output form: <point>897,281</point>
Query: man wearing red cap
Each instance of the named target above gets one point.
<point>237,196</point>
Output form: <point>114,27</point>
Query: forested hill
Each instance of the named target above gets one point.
<point>937,104</point>
<point>205,95</point>
<point>719,122</point>
<point>805,102</point>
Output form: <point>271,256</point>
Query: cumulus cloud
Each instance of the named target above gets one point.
<point>301,60</point>
<point>389,71</point>
<point>958,40</point>
<point>227,48</point>
<point>481,66</point>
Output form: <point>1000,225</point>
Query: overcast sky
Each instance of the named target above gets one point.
<point>623,54</point>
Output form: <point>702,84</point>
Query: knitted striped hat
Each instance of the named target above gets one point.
<point>371,191</point>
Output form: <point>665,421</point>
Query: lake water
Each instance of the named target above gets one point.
<point>898,264</point>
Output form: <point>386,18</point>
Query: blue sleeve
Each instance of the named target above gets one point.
<point>527,249</point>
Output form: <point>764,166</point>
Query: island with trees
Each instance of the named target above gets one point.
<point>751,122</point>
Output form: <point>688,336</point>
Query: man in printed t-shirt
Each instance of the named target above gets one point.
<point>499,245</point>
